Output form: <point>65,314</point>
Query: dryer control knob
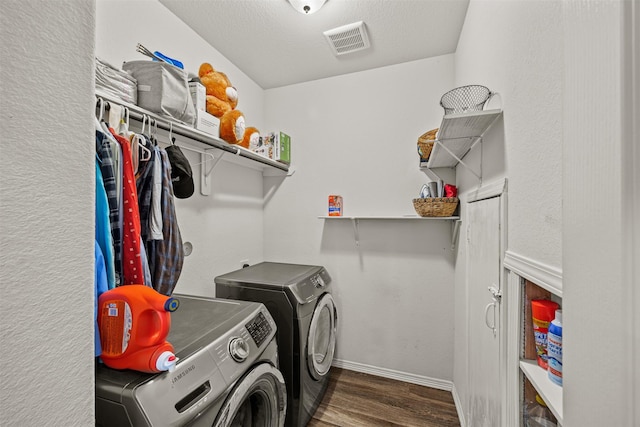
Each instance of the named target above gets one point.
<point>238,349</point>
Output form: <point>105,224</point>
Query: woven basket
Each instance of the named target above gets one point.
<point>435,206</point>
<point>425,143</point>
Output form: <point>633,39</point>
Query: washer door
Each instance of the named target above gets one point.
<point>321,341</point>
<point>258,399</point>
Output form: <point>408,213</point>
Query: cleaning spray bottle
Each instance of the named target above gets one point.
<point>134,321</point>
<point>554,349</point>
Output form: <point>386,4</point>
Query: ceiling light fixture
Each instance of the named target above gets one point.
<point>307,7</point>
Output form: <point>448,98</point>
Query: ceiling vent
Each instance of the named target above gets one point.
<point>348,38</point>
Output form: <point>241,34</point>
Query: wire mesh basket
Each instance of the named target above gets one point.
<point>465,98</point>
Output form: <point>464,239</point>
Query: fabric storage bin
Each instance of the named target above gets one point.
<point>163,88</point>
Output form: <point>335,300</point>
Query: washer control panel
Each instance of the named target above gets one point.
<point>318,281</point>
<point>259,329</point>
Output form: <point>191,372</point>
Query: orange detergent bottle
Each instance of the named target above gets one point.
<point>134,321</point>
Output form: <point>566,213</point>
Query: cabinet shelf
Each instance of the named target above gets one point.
<point>551,393</point>
<point>457,136</point>
<point>241,156</point>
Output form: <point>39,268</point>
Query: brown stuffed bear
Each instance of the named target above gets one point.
<point>232,127</point>
<point>251,138</point>
<point>222,99</point>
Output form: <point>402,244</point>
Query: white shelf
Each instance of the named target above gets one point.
<point>356,219</point>
<point>241,156</point>
<point>457,135</point>
<point>550,392</point>
<point>451,218</point>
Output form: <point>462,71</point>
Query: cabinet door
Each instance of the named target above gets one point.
<point>483,263</point>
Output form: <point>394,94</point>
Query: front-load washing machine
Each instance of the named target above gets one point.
<point>226,373</point>
<point>299,299</point>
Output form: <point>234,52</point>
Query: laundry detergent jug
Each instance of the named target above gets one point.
<point>134,321</point>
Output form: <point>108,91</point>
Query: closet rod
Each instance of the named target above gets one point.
<point>137,113</point>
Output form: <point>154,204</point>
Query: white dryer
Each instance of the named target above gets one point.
<point>299,299</point>
<point>227,373</point>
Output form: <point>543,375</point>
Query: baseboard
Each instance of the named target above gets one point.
<point>394,375</point>
<point>459,408</point>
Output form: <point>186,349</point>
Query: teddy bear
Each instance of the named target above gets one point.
<point>251,138</point>
<point>222,99</point>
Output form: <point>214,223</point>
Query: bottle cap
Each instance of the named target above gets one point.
<point>171,304</point>
<point>559,316</point>
<point>540,401</point>
<point>166,361</point>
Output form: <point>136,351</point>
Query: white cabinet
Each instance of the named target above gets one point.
<point>484,322</point>
<point>480,326</point>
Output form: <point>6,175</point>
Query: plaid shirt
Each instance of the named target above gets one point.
<point>105,160</point>
<point>166,256</point>
<point>144,184</point>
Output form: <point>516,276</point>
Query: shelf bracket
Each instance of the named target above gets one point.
<point>454,233</point>
<point>356,233</point>
<point>459,160</point>
<point>205,175</point>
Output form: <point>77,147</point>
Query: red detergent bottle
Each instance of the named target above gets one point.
<point>134,321</point>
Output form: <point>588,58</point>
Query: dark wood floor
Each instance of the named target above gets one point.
<point>355,399</point>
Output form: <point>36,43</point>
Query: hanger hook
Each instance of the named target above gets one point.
<point>171,138</point>
<point>100,108</point>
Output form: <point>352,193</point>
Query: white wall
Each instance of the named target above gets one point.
<point>370,137</point>
<point>122,24</point>
<point>355,135</point>
<point>515,49</point>
<point>46,219</point>
<point>375,146</point>
<point>598,266</point>
<point>226,226</point>
<point>557,66</point>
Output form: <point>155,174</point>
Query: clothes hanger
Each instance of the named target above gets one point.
<point>100,112</point>
<point>172,139</point>
<point>154,132</point>
<point>123,123</point>
<point>139,149</point>
<point>145,153</point>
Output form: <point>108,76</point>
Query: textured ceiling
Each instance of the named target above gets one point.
<point>277,46</point>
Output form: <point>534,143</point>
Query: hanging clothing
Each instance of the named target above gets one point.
<point>101,286</point>
<point>103,228</point>
<point>144,185</point>
<point>166,256</point>
<point>116,155</point>
<point>106,154</point>
<point>132,272</point>
<point>155,222</point>
<point>146,270</point>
